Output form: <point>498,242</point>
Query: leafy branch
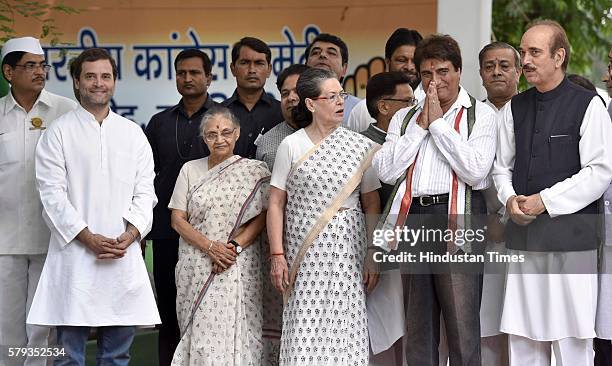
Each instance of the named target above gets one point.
<point>13,10</point>
<point>588,24</point>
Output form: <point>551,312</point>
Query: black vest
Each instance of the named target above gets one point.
<point>547,134</point>
<point>377,135</point>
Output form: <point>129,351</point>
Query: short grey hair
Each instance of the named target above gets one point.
<point>218,111</point>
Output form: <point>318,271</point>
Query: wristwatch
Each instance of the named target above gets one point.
<point>236,246</point>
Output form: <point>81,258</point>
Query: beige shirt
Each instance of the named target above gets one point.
<point>22,229</point>
<point>191,173</point>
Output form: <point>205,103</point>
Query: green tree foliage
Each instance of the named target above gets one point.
<point>588,24</point>
<point>11,11</point>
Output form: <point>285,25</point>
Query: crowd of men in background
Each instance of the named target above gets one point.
<point>552,158</point>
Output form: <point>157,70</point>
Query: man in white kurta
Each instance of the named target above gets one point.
<point>94,170</point>
<point>24,238</point>
<point>500,70</point>
<point>553,162</point>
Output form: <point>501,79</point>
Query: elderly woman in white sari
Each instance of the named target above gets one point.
<point>320,188</point>
<point>218,209</point>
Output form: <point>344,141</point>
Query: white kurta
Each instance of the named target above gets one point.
<point>548,307</point>
<point>386,312</point>
<point>22,230</point>
<point>493,281</point>
<point>603,325</point>
<point>349,104</point>
<point>100,177</point>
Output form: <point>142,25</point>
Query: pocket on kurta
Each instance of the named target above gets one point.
<point>10,150</point>
<point>124,168</point>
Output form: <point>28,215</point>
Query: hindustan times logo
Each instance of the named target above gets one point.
<point>413,237</point>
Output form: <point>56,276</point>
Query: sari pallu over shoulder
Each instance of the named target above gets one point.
<point>317,186</point>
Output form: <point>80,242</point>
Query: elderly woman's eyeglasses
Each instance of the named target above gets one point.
<point>334,98</point>
<point>31,66</point>
<point>225,135</point>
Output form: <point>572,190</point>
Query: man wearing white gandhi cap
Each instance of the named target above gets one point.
<point>24,114</point>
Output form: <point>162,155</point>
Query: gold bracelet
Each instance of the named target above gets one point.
<point>209,246</point>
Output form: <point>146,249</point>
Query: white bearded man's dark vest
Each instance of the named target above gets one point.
<point>547,137</point>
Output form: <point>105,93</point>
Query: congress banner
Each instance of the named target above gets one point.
<point>145,36</point>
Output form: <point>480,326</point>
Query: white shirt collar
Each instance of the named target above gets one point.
<point>11,103</point>
<point>488,102</point>
<point>377,128</point>
<point>86,115</point>
<point>419,93</point>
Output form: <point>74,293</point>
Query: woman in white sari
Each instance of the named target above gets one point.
<point>218,209</point>
<point>321,187</point>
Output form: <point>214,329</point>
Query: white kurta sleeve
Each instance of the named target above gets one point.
<point>398,152</point>
<point>369,181</point>
<point>140,211</point>
<point>282,165</point>
<point>584,187</point>
<point>178,201</point>
<point>360,118</point>
<point>52,184</point>
<point>471,160</point>
<point>504,156</point>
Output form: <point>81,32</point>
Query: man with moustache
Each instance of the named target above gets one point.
<point>94,172</point>
<point>25,112</point>
<point>173,136</point>
<point>500,70</point>
<point>328,51</point>
<point>399,56</point>
<point>439,154</point>
<point>553,161</point>
<point>266,152</point>
<point>257,111</point>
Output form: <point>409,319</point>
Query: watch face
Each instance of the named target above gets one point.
<point>236,246</point>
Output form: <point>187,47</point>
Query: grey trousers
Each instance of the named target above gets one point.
<point>19,276</point>
<point>450,291</point>
<point>457,297</point>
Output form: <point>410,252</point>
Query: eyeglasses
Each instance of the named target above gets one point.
<point>409,101</point>
<point>213,136</point>
<point>31,66</point>
<point>334,97</point>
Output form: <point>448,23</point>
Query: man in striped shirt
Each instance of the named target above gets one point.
<point>434,154</point>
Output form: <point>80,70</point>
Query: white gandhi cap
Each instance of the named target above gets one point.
<point>24,44</point>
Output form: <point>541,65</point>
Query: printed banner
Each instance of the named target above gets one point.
<point>145,37</point>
